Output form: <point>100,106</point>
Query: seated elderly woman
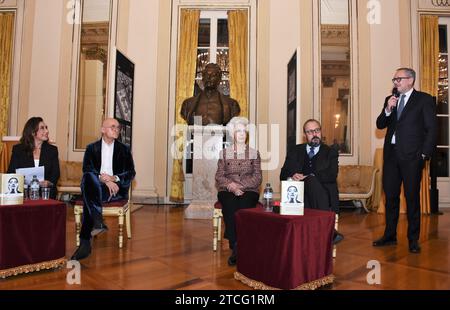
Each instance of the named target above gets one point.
<point>35,151</point>
<point>238,179</point>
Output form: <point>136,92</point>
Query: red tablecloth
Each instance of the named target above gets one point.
<point>32,236</point>
<point>285,252</point>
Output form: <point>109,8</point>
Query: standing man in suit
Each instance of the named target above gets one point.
<point>411,122</point>
<point>316,164</point>
<point>108,170</point>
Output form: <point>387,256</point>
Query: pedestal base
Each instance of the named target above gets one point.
<point>208,142</point>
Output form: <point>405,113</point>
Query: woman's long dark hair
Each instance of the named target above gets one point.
<point>30,128</point>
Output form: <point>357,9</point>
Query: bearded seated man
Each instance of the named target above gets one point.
<point>316,164</point>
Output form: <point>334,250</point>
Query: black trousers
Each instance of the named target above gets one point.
<point>316,196</point>
<point>232,203</point>
<point>94,194</point>
<point>396,171</point>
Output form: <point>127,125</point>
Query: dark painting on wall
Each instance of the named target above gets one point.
<point>291,123</point>
<point>123,97</point>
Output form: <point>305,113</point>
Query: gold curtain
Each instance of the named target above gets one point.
<point>6,49</point>
<point>378,188</point>
<point>429,65</point>
<point>186,67</point>
<point>238,37</point>
<point>5,155</point>
<point>429,60</point>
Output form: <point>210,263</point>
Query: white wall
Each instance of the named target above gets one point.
<point>96,11</point>
<point>385,59</point>
<point>142,50</point>
<point>44,75</point>
<point>283,42</point>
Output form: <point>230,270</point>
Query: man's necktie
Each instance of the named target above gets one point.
<point>311,152</point>
<point>401,106</point>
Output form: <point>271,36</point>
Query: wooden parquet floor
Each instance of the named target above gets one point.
<point>167,252</point>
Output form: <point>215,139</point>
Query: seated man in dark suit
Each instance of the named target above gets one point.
<point>108,170</point>
<point>317,165</point>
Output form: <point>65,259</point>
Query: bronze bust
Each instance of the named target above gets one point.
<point>210,104</point>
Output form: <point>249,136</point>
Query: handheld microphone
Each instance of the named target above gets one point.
<point>395,92</point>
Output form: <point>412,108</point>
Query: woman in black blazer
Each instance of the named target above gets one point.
<point>35,151</point>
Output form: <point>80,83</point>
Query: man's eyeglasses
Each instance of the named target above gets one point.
<point>114,127</point>
<point>313,131</point>
<point>400,78</point>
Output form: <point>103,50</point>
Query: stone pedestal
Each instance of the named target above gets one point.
<point>208,142</point>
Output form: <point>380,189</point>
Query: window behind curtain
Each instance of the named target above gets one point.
<point>213,47</point>
<point>443,98</point>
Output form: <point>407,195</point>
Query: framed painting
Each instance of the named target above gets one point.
<point>292,198</point>
<point>123,96</point>
<point>292,95</point>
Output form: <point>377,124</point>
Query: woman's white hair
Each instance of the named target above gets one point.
<point>237,120</point>
<point>234,122</point>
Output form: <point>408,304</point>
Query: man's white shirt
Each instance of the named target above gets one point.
<point>316,149</point>
<point>107,158</point>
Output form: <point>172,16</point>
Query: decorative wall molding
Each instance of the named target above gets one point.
<point>335,35</point>
<point>440,2</point>
<point>336,68</point>
<point>439,5</point>
<point>209,2</point>
<point>95,33</point>
<point>8,3</point>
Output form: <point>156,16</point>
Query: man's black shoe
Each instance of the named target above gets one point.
<point>231,245</point>
<point>232,260</point>
<point>338,237</point>
<point>414,247</point>
<point>99,229</point>
<point>83,251</point>
<point>384,242</point>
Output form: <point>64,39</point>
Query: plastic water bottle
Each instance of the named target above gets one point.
<point>268,198</point>
<point>34,188</point>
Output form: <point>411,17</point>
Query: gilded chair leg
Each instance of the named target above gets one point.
<point>121,219</point>
<point>128,222</point>
<point>336,224</point>
<point>215,231</point>
<point>219,228</point>
<point>77,227</point>
<point>364,205</point>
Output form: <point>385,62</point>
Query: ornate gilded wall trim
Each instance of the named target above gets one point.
<point>441,3</point>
